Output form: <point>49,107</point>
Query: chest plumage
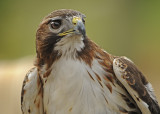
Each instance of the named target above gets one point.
<point>74,87</point>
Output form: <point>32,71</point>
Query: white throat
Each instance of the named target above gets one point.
<point>70,45</point>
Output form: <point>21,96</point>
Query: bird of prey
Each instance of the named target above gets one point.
<point>73,75</point>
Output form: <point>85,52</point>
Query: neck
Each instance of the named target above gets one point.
<point>68,47</point>
<point>84,50</point>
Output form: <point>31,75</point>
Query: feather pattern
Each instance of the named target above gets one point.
<point>76,86</point>
<point>32,96</point>
<point>136,84</point>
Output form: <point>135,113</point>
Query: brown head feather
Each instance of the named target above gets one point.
<point>45,39</point>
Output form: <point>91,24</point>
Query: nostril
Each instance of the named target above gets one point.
<point>74,23</point>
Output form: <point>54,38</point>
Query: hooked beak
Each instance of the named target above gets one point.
<point>78,28</point>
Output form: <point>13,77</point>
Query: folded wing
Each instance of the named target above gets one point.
<point>31,95</point>
<point>136,85</point>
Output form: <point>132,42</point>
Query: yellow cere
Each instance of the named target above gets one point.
<point>75,19</point>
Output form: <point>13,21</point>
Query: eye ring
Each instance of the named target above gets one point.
<point>55,24</point>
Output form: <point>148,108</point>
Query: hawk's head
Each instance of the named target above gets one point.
<point>62,31</point>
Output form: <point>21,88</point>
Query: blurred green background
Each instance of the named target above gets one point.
<point>121,27</point>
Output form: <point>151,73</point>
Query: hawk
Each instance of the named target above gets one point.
<point>73,75</point>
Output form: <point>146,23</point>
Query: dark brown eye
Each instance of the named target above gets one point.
<point>55,24</point>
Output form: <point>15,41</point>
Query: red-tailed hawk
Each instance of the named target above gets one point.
<point>73,75</point>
